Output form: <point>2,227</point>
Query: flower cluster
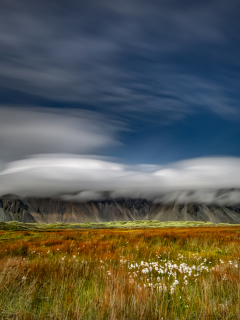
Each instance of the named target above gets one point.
<point>165,275</point>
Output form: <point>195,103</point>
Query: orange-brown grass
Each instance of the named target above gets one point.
<point>87,274</point>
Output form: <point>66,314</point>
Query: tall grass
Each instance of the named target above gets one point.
<point>115,274</point>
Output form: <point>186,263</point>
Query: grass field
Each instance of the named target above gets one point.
<point>150,273</point>
<point>136,224</point>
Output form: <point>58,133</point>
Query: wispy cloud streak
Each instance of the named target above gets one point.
<point>135,56</point>
<point>27,131</point>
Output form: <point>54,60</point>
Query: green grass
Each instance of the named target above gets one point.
<point>19,226</point>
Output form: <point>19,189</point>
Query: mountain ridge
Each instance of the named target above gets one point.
<point>52,210</point>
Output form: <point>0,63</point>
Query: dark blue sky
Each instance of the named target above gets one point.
<point>168,72</point>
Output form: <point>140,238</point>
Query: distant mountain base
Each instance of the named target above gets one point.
<point>50,210</point>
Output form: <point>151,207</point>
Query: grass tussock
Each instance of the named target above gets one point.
<point>157,273</point>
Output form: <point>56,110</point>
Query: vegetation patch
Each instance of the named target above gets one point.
<point>19,226</point>
<point>120,273</point>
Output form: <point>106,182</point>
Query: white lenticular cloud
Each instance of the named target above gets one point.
<point>76,178</point>
<point>44,154</point>
<point>202,173</point>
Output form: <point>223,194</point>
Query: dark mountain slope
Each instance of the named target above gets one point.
<point>55,210</point>
<point>13,209</point>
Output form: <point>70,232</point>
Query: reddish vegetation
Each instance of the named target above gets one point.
<point>86,274</point>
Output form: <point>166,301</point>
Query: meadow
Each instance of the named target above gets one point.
<point>182,272</point>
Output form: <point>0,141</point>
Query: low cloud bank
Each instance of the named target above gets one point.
<point>78,178</point>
